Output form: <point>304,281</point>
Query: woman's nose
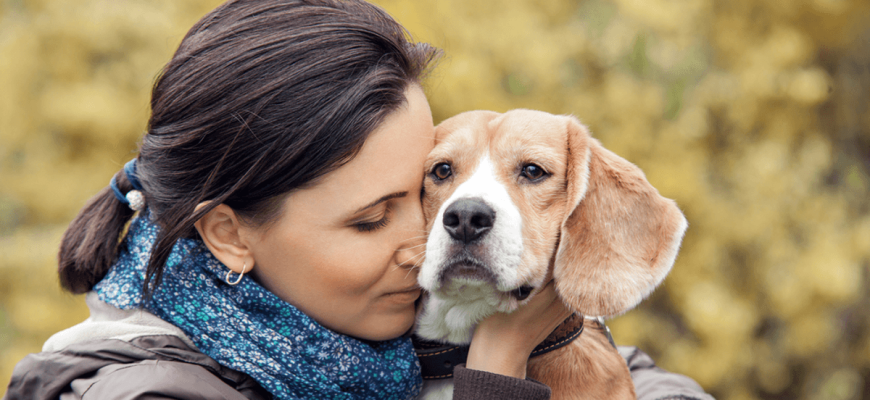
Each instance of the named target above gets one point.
<point>412,247</point>
<point>412,253</point>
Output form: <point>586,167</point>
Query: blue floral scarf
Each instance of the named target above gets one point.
<point>249,329</point>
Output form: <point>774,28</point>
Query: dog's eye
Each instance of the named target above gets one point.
<point>442,171</point>
<point>533,172</point>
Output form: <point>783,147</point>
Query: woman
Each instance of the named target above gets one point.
<point>278,189</point>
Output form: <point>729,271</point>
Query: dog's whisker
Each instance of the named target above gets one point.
<point>415,238</point>
<point>420,254</point>
<point>416,264</point>
<point>409,271</point>
<point>413,264</point>
<point>417,255</point>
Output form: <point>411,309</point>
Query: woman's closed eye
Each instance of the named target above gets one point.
<point>373,225</point>
<point>369,219</point>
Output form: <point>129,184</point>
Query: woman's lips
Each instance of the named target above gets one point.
<point>407,295</point>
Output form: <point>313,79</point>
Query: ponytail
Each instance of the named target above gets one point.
<point>90,243</point>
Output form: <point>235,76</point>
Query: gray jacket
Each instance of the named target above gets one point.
<point>132,354</point>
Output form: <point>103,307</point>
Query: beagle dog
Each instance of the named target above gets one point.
<point>512,199</point>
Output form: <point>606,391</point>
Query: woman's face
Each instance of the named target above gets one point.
<point>343,251</point>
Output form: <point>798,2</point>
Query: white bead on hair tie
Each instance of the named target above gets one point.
<point>136,200</point>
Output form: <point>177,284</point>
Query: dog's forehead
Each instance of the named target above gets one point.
<point>486,131</point>
<point>462,139</point>
<point>529,127</point>
<point>471,125</point>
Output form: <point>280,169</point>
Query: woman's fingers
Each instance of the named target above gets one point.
<point>542,314</point>
<point>502,342</point>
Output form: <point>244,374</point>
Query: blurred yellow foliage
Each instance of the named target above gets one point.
<point>753,114</point>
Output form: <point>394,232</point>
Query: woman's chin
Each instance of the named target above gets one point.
<point>386,327</point>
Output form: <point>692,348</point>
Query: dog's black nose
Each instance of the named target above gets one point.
<point>467,220</point>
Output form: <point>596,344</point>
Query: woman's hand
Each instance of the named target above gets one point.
<point>503,342</point>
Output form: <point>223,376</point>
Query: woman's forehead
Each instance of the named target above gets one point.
<point>390,161</point>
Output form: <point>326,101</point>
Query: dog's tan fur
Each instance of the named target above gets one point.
<point>588,368</point>
<point>596,224</point>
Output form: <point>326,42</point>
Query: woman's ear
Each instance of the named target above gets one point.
<point>226,238</point>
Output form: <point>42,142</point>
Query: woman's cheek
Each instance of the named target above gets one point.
<point>358,264</point>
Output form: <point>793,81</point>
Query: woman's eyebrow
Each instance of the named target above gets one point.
<point>381,200</point>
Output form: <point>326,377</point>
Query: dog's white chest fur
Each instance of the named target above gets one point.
<point>452,320</point>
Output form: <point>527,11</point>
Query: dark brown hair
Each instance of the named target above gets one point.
<point>262,97</point>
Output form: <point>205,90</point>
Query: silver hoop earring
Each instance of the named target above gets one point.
<point>239,279</point>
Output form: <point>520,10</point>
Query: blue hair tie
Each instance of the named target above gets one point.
<point>133,198</point>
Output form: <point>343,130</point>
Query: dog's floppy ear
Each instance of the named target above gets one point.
<point>619,237</point>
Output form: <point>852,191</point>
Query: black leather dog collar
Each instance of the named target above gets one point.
<point>437,359</point>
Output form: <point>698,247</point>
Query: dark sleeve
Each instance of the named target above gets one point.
<point>480,385</point>
<point>654,383</point>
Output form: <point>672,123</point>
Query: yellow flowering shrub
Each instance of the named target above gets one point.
<point>754,115</point>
